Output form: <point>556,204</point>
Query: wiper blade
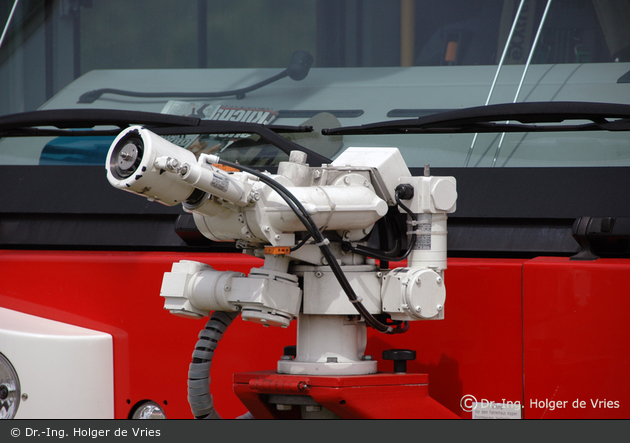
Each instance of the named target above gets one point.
<point>531,117</point>
<point>89,118</point>
<point>77,122</point>
<point>299,65</point>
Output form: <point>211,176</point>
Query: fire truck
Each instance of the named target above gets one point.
<point>318,209</point>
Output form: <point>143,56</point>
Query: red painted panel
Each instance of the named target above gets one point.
<point>476,350</point>
<point>118,293</point>
<point>575,337</point>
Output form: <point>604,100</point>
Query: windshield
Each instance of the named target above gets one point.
<point>324,63</point>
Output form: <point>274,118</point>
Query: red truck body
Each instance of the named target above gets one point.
<point>545,332</point>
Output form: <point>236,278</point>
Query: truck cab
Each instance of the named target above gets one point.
<point>524,103</point>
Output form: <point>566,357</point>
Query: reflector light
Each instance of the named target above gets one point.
<point>9,389</point>
<point>149,410</point>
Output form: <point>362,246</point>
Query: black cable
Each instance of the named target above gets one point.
<point>299,66</point>
<point>414,219</point>
<point>320,241</point>
<point>301,243</point>
<point>387,256</point>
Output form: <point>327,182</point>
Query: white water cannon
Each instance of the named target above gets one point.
<point>342,201</point>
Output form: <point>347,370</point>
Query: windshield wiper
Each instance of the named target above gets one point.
<point>299,65</point>
<point>531,117</point>
<point>78,122</point>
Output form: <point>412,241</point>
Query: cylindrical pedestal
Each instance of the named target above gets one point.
<point>329,345</point>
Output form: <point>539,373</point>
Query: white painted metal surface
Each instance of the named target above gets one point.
<point>65,371</point>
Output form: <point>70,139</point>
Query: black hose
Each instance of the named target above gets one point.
<point>320,241</point>
<point>199,397</point>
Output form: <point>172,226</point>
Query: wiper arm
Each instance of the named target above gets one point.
<point>299,65</point>
<point>488,119</point>
<point>76,122</point>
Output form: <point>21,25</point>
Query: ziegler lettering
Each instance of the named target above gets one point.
<point>259,116</point>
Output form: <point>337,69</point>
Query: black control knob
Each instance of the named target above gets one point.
<point>289,351</point>
<point>400,357</point>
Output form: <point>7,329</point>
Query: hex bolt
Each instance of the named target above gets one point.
<point>172,164</point>
<point>319,274</point>
<point>439,307</point>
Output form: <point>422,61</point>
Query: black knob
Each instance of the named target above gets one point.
<point>400,357</point>
<point>405,191</point>
<point>290,351</point>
